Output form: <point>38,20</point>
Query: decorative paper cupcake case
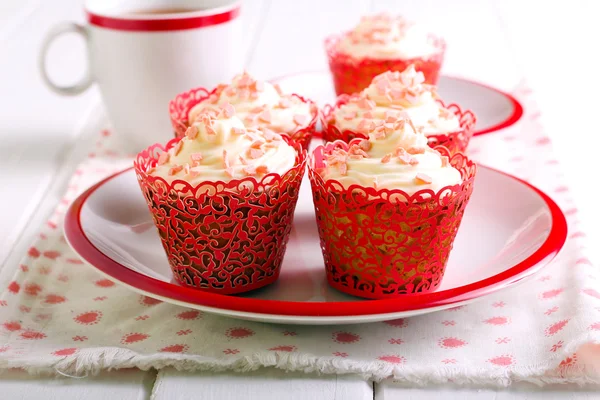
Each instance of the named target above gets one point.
<point>387,243</point>
<point>224,237</point>
<point>351,75</point>
<point>182,104</point>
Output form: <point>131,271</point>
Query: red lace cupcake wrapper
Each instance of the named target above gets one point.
<point>182,104</point>
<point>387,243</point>
<point>351,75</point>
<point>456,142</point>
<point>225,237</point>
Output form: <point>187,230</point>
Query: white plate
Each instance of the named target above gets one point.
<point>494,108</point>
<point>510,230</point>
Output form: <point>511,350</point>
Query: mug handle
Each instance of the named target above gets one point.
<point>85,82</point>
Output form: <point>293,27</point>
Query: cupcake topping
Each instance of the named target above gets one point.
<point>217,147</point>
<point>258,104</point>
<point>394,158</point>
<point>386,37</point>
<point>392,95</point>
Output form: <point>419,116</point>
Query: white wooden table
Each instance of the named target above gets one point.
<point>40,143</point>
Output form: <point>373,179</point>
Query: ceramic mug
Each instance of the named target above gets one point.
<point>142,53</point>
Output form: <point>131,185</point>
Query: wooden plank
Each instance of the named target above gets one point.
<point>546,53</point>
<point>254,13</point>
<point>49,192</point>
<point>37,125</point>
<point>114,385</point>
<point>519,391</point>
<point>263,384</point>
<point>292,37</point>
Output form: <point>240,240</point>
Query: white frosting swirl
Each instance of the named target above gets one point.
<point>393,94</point>
<point>259,105</point>
<point>221,149</point>
<point>387,37</point>
<point>394,157</point>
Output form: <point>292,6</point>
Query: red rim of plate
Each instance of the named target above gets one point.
<point>92,255</point>
<point>511,120</point>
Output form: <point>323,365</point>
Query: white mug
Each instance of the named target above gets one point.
<point>142,53</point>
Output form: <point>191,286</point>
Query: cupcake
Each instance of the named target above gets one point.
<point>394,94</point>
<point>388,209</point>
<point>260,105</point>
<point>378,44</point>
<point>222,198</point>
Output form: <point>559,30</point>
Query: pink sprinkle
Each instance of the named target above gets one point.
<point>269,134</point>
<point>213,98</point>
<point>256,153</point>
<point>225,160</point>
<point>163,158</point>
<point>237,131</point>
<point>259,86</point>
<point>300,119</point>
<point>244,94</point>
<point>388,128</point>
<point>350,115</point>
<point>380,134</point>
<point>175,169</point>
<point>228,110</point>
<point>445,161</point>
<point>444,113</point>
<point>210,130</point>
<point>413,161</point>
<point>245,80</point>
<point>193,173</point>
<point>356,152</point>
<point>371,126</point>
<point>399,124</point>
<point>177,147</point>
<point>365,145</point>
<point>404,159</point>
<point>416,150</point>
<point>265,116</point>
<point>343,169</point>
<point>243,160</point>
<point>362,125</point>
<point>285,102</point>
<point>256,110</point>
<point>249,170</point>
<point>368,114</point>
<point>396,94</point>
<point>192,132</point>
<point>196,157</point>
<point>262,169</point>
<point>421,179</point>
<point>412,125</point>
<point>186,169</point>
<point>366,104</point>
<point>230,91</point>
<point>386,159</point>
<point>403,156</point>
<point>382,85</point>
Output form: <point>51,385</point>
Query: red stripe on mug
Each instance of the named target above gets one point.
<point>163,24</point>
